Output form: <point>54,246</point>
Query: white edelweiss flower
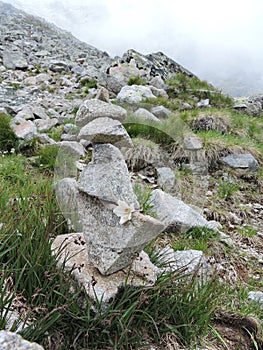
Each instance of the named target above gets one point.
<point>124,211</point>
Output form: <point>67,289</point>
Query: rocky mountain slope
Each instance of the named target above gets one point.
<point>163,159</point>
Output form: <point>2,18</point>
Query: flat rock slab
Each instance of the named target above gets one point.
<point>243,161</point>
<point>13,341</point>
<point>175,213</point>
<point>92,109</point>
<point>72,248</point>
<point>107,177</point>
<point>106,130</point>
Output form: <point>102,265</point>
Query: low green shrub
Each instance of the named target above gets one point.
<point>137,80</point>
<point>8,139</point>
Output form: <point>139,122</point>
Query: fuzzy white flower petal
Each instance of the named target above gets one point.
<point>124,211</point>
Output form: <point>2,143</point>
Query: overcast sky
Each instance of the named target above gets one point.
<point>216,39</point>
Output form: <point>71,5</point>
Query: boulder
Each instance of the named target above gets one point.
<point>203,103</point>
<point>67,195</point>
<point>92,109</point>
<point>107,177</point>
<point>243,161</point>
<point>161,112</point>
<point>159,92</point>
<point>256,297</point>
<point>103,94</point>
<point>134,93</point>
<point>45,124</point>
<point>72,148</point>
<point>59,66</point>
<point>25,130</point>
<point>14,60</point>
<point>175,213</point>
<point>14,341</point>
<point>188,261</point>
<point>158,82</point>
<point>106,130</point>
<point>72,251</point>
<point>192,143</point>
<point>144,115</point>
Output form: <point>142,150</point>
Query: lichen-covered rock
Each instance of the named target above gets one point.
<point>165,178</point>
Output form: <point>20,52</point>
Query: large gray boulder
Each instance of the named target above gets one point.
<point>243,161</point>
<point>106,130</point>
<point>13,341</point>
<point>92,109</point>
<point>107,177</point>
<point>175,213</point>
<point>134,93</point>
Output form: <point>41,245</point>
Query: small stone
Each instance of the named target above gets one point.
<point>165,178</point>
<point>161,112</point>
<point>243,161</point>
<point>192,143</point>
